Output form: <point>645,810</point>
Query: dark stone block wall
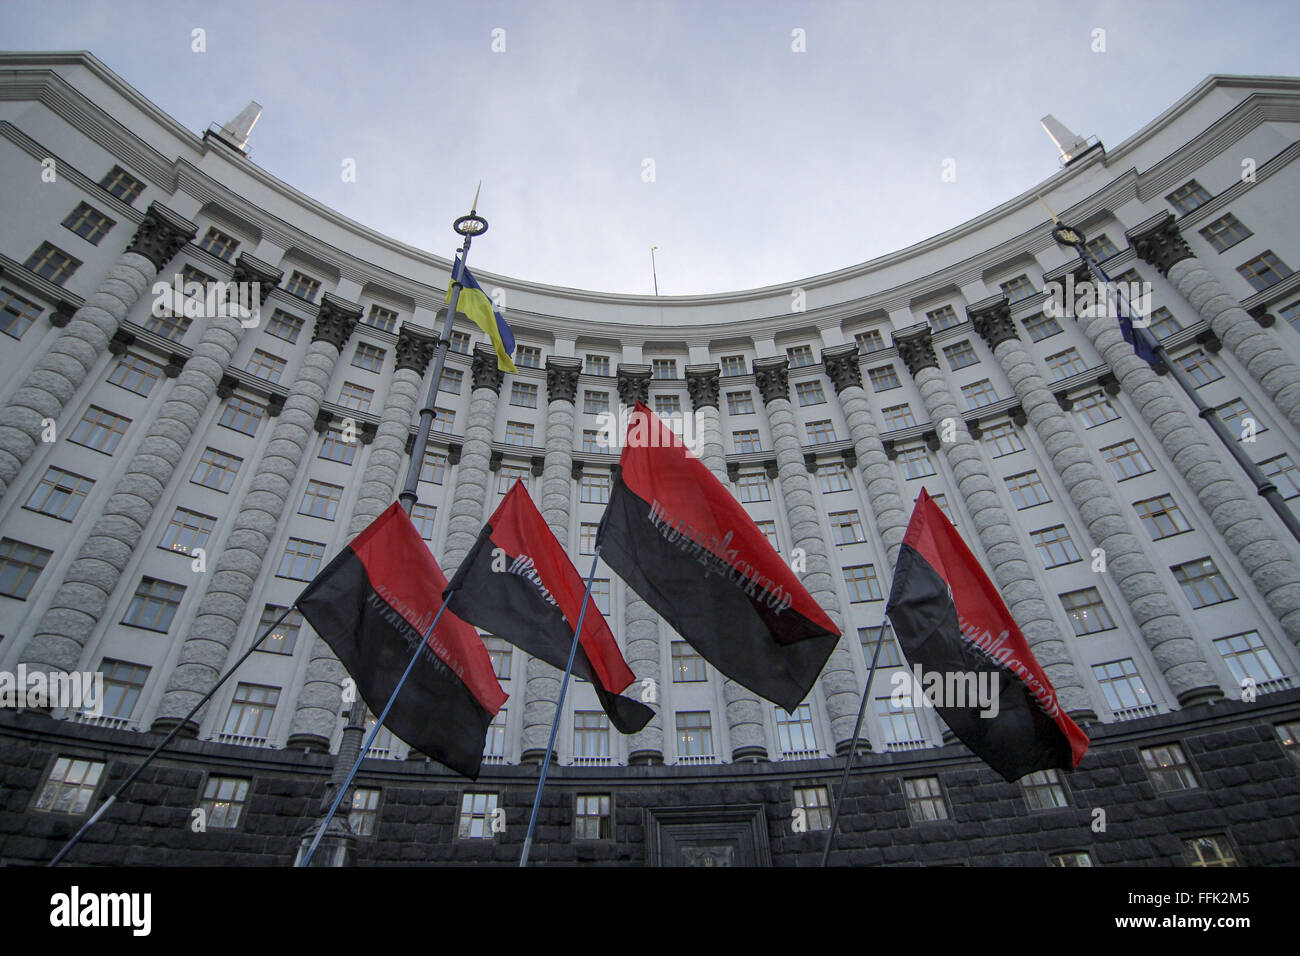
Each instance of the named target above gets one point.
<point>1248,790</point>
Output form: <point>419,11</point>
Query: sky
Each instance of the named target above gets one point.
<point>755,143</point>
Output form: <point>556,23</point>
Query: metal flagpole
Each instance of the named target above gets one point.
<point>653,271</point>
<point>1069,236</point>
<point>559,710</point>
<point>853,747</point>
<point>76,838</point>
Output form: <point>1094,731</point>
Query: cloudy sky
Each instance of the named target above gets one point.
<point>753,142</point>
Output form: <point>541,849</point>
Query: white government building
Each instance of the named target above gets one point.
<point>270,447</point>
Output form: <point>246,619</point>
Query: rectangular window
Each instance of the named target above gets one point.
<point>1163,323</point>
<point>16,313</point>
<point>1070,858</point>
<point>1101,248</point>
<point>459,342</point>
<point>123,682</point>
<point>942,501</point>
<point>1214,850</point>
<point>1086,611</point>
<point>590,737</point>
<point>1187,197</point>
<point>979,394</point>
<point>528,356</point>
<point>1067,363</point>
<point>1291,313</point>
<point>869,341</point>
<point>832,477</point>
<point>20,565</point>
<point>518,433</point>
<point>1055,546</point>
<point>593,440</point>
<point>663,368</point>
<point>944,317</point>
<point>1161,517</point>
<point>365,811</point>
<point>168,325</point>
<point>451,381</point>
<point>383,319</point>
<point>284,326</point>
<point>1225,232</point>
<point>154,605</point>
<point>901,726</point>
<point>1027,490</point>
<point>915,462</point>
<point>118,182</point>
<point>869,637</point>
<point>587,538</point>
<point>303,286</point>
<point>1264,270</point>
<point>1237,415</point>
<point>1168,768</point>
<point>800,356</point>
<point>753,487</point>
<point>1122,687</point>
<point>70,785</point>
<point>740,403</point>
<point>688,666</point>
<point>369,357</point>
<point>746,441</point>
<point>1248,658</point>
<point>501,652</point>
<point>819,433</point>
<point>356,397</point>
<point>241,415</point>
<point>1003,439</point>
<point>59,494</point>
<point>216,470</point>
<point>1202,583</point>
<point>301,559</point>
<point>595,489</point>
<point>846,527</point>
<point>769,531</point>
<point>883,378</point>
<point>810,393</point>
<point>925,799</point>
<point>960,355</point>
<point>1283,473</point>
<point>592,819</point>
<point>100,430</point>
<point>336,447</point>
<point>523,394</point>
<point>1094,409</point>
<point>1199,368</point>
<point>219,244</point>
<point>507,475</point>
<point>1016,289</point>
<point>476,813</point>
<point>733,365</point>
<point>135,374</point>
<point>423,516</point>
<point>862,584</point>
<point>1044,790</point>
<point>284,638</point>
<point>1126,460</point>
<point>794,732</point>
<point>898,416</point>
<point>89,223</point>
<point>667,405</point>
<point>187,531</point>
<point>1041,327</point>
<point>597,365</point>
<point>251,711</point>
<point>595,403</point>
<point>695,734</point>
<point>321,500</point>
<point>223,801</point>
<point>444,420</point>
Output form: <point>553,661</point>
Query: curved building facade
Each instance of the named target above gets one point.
<point>170,478</point>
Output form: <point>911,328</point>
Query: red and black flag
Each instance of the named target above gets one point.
<point>970,659</point>
<point>373,605</point>
<point>518,583</point>
<point>679,539</point>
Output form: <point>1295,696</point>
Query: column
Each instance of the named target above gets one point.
<point>205,653</point>
<point>1164,629</point>
<point>1221,490</point>
<point>61,370</point>
<point>321,695</point>
<point>470,496</point>
<point>838,681</point>
<point>81,598</point>
<point>1011,570</point>
<point>1159,242</point>
<point>746,725</point>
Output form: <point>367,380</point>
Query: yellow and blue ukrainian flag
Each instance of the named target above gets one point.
<point>474,302</point>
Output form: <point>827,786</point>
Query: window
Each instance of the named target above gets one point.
<point>444,420</point>
<point>1225,232</point>
<point>794,732</point>
<point>587,538</point>
<point>382,319</point>
<point>1248,658</point>
<point>365,811</point>
<point>591,817</point>
<point>154,605</point>
<point>301,559</point>
<point>423,517</point>
<point>303,286</point>
<point>900,723</point>
<point>898,416</point>
<point>1263,271</point>
<point>223,801</point>
<point>1288,735</point>
<point>960,355</point>
<point>1003,439</point>
<point>251,711</point>
<point>1027,490</point>
<point>688,665</point>
<point>518,433</point>
<point>862,584</point>
<point>1199,368</point>
<point>20,565</point>
<point>1161,517</point>
<point>122,184</point>
<point>59,494</point>
<point>593,440</point>
<point>336,447</point>
<point>1041,327</point>
<point>451,381</point>
<point>459,342</point>
<point>1237,415</point>
<point>869,341</point>
<point>769,531</point>
<point>663,368</point>
<point>16,313</point>
<point>70,785</point>
<point>1121,685</point>
<point>800,356</point>
<point>193,275</point>
<point>979,394</point>
<point>595,489</point>
<point>869,637</point>
<point>733,365</point>
<point>832,477</point>
<point>285,636</point>
<point>501,653</point>
<point>1067,363</point>
<point>1168,768</point>
<point>883,378</point>
<point>1044,790</point>
<point>810,393</point>
<point>89,223</point>
<point>218,244</point>
<point>1292,314</point>
<point>1101,248</point>
<point>942,501</point>
<point>1214,850</point>
<point>523,394</point>
<point>740,403</point>
<point>1016,289</point>
<point>477,813</point>
<point>746,441</point>
<point>924,799</point>
<point>135,374</point>
<point>528,356</point>
<point>321,500</point>
<point>284,326</point>
<point>597,365</point>
<point>753,487</point>
<point>590,737</point>
<point>1163,323</point>
<point>846,527</point>
<point>123,682</point>
<point>1202,583</point>
<point>356,397</point>
<point>216,470</point>
<point>595,403</point>
<point>100,429</point>
<point>1086,611</point>
<point>241,415</point>
<point>1283,472</point>
<point>1054,546</point>
<point>1094,409</point>
<point>1071,858</point>
<point>507,475</point>
<point>819,433</point>
<point>169,326</point>
<point>915,462</point>
<point>1126,460</point>
<point>369,357</point>
<point>1187,197</point>
<point>694,734</point>
<point>944,317</point>
<point>187,531</point>
<point>666,405</point>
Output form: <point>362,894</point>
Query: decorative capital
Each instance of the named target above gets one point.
<point>275,405</point>
<point>633,384</point>
<point>1209,341</point>
<point>1159,242</point>
<point>368,432</point>
<point>410,443</point>
<point>161,235</point>
<point>973,426</point>
<point>175,364</point>
<point>810,462</point>
<point>1018,416</point>
<point>1110,383</point>
<point>733,471</point>
<point>414,349</point>
<point>916,349</point>
<point>62,314</point>
<point>1065,401</point>
<point>702,384</point>
<point>992,320</point>
<point>770,467</point>
<point>931,440</point>
<point>575,471</point>
<point>494,461</point>
<point>453,454</point>
<point>483,368</point>
<point>322,423</point>
<point>843,366</point>
<point>250,269</point>
<point>1260,314</point>
<point>335,320</point>
<point>772,376</point>
<point>537,465</point>
<point>850,458</point>
<point>890,448</point>
<point>562,379</point>
<point>120,342</point>
<point>226,387</point>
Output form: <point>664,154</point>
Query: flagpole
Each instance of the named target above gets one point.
<point>559,710</point>
<point>1263,486</point>
<point>76,837</point>
<point>857,729</point>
